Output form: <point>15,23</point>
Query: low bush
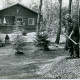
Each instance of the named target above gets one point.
<point>1,43</point>
<point>24,32</point>
<point>42,41</point>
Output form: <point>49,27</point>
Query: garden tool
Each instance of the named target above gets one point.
<point>71,39</point>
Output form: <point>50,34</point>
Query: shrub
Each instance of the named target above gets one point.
<point>1,43</point>
<point>42,41</point>
<point>24,33</point>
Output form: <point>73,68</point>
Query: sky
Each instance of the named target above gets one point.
<point>2,2</point>
<point>65,2</point>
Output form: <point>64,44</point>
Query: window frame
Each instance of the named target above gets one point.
<point>33,21</point>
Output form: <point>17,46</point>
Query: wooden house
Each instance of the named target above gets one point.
<point>26,18</point>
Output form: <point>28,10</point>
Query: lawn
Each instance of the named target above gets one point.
<point>30,65</point>
<point>36,64</point>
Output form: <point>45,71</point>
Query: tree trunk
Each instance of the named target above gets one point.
<point>78,11</point>
<point>70,3</point>
<point>59,29</point>
<point>78,18</point>
<point>39,17</point>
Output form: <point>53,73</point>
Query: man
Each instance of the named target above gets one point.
<point>73,33</point>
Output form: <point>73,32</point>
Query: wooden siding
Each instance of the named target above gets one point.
<point>19,11</point>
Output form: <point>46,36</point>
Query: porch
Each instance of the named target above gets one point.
<point>10,20</point>
<point>7,23</point>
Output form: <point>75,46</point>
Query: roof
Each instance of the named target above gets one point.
<point>20,5</point>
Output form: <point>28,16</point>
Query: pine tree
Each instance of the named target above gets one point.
<point>16,29</point>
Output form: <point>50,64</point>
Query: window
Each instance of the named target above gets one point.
<point>20,19</point>
<point>30,21</point>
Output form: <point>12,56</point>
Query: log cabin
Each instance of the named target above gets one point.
<point>26,18</point>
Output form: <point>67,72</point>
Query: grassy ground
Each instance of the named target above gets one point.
<point>66,69</point>
<point>35,64</point>
<point>28,65</point>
